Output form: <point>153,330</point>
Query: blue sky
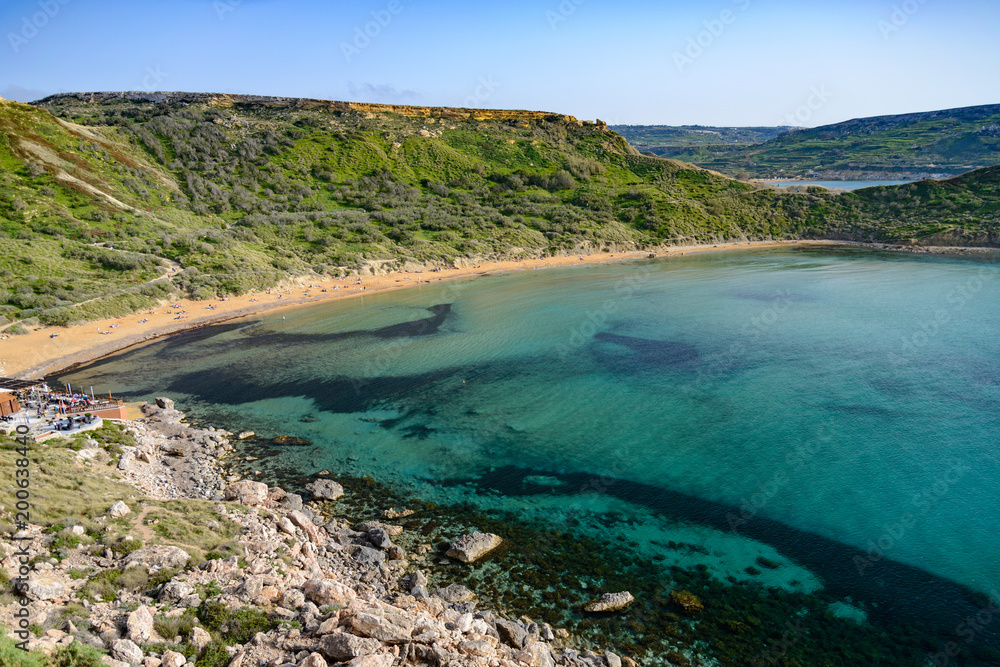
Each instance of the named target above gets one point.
<point>716,62</point>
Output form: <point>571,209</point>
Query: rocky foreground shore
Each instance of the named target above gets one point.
<point>295,590</point>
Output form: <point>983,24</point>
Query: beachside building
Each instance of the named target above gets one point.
<point>8,405</point>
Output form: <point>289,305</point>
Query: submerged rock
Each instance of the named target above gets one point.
<point>325,489</point>
<point>610,602</point>
<point>470,548</point>
<point>291,440</point>
<point>455,593</point>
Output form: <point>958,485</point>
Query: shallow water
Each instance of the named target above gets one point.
<point>834,410</point>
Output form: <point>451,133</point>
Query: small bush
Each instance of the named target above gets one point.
<point>12,656</point>
<point>236,626</point>
<point>168,628</point>
<point>78,654</point>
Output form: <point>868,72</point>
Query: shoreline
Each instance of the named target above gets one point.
<point>38,354</point>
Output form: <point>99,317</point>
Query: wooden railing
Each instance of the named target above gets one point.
<point>94,407</point>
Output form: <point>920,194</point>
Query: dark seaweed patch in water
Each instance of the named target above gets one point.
<point>338,395</point>
<point>662,353</point>
<point>893,592</point>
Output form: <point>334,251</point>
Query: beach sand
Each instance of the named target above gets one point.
<point>37,354</point>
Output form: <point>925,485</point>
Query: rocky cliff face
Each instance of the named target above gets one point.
<point>226,100</point>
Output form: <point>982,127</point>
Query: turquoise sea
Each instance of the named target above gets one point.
<point>846,185</point>
<point>831,413</point>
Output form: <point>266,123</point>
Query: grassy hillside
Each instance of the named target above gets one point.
<point>101,195</point>
<point>916,145</point>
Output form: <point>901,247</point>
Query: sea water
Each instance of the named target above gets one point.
<point>834,410</point>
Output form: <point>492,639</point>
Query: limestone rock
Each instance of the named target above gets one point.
<point>119,509</point>
<point>158,556</point>
<point>612,659</point>
<point>293,599</point>
<point>536,654</point>
<point>341,646</point>
<point>396,631</point>
<point>172,659</point>
<point>174,591</point>
<point>247,493</point>
<point>126,651</point>
<point>313,660</point>
<point>328,591</point>
<point>478,647</point>
<point>126,460</point>
<point>610,602</point>
<point>470,548</point>
<point>199,638</point>
<point>243,435</point>
<point>511,632</point>
<point>325,489</point>
<point>305,523</point>
<point>44,587</point>
<point>455,593</point>
<point>379,660</point>
<point>139,626</point>
<point>164,402</point>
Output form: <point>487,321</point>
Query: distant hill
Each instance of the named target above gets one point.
<point>913,145</point>
<point>112,201</point>
<point>660,139</point>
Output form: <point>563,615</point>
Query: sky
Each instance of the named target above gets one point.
<point>716,62</point>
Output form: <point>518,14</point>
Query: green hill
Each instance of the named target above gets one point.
<point>914,145</point>
<point>101,194</point>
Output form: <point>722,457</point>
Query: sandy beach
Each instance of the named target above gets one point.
<point>38,353</point>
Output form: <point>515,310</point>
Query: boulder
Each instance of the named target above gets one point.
<point>536,654</point>
<point>313,660</point>
<point>328,591</point>
<point>247,493</point>
<point>341,646</point>
<point>118,510</point>
<point>172,659</point>
<point>174,591</point>
<point>44,587</point>
<point>305,523</point>
<point>126,651</point>
<point>470,548</point>
<point>293,599</point>
<point>511,632</point>
<point>396,631</point>
<point>199,638</point>
<point>379,538</point>
<point>455,593</point>
<point>367,555</point>
<point>477,647</point>
<point>126,460</point>
<point>139,626</point>
<point>610,602</point>
<point>325,489</point>
<point>378,660</point>
<point>164,402</point>
<point>160,557</point>
<point>243,435</point>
